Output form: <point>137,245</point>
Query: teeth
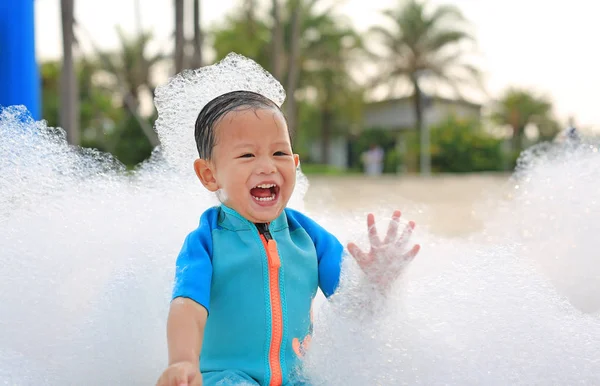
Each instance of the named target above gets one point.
<point>264,198</point>
<point>265,186</point>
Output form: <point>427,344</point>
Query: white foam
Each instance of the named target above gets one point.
<point>88,258</point>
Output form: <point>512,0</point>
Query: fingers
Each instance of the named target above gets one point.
<point>398,265</point>
<point>408,256</point>
<point>173,380</point>
<point>195,379</point>
<point>373,238</point>
<point>393,227</point>
<point>181,379</point>
<point>180,374</point>
<point>361,258</point>
<point>406,233</point>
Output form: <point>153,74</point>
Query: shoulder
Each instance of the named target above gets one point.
<point>297,220</point>
<point>201,237</point>
<point>208,220</point>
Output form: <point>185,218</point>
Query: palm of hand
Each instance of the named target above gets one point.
<point>387,259</point>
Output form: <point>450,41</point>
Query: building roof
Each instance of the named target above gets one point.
<point>462,102</point>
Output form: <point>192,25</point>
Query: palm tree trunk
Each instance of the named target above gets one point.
<point>326,129</point>
<point>249,10</point>
<point>294,66</point>
<point>138,17</point>
<point>179,38</point>
<point>518,139</point>
<point>198,36</point>
<point>69,102</point>
<point>424,154</point>
<point>277,41</point>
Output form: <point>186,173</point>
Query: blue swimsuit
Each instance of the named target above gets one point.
<point>257,282</point>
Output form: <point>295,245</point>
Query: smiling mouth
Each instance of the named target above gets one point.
<point>265,192</point>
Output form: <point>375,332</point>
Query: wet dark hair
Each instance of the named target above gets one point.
<point>217,108</point>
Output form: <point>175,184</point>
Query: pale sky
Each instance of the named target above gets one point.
<point>549,46</point>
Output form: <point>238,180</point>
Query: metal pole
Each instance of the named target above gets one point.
<point>423,129</point>
<point>425,141</point>
<point>19,74</point>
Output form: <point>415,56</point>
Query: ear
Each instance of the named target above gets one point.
<point>204,171</point>
<point>296,160</point>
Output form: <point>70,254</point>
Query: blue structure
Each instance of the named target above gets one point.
<point>19,74</point>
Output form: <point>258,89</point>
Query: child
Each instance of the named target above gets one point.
<point>246,277</point>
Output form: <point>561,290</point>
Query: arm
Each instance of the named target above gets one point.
<point>190,306</point>
<point>185,331</point>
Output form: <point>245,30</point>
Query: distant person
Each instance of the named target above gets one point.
<point>373,160</point>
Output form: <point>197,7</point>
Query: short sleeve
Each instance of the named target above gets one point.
<point>329,251</point>
<point>193,273</point>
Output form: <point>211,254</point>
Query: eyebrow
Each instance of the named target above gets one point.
<point>243,145</point>
<point>246,145</point>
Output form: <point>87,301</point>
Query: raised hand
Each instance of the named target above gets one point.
<point>387,259</point>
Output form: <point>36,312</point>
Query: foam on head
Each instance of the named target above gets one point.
<point>180,100</point>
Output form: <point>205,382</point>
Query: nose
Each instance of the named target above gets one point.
<point>265,165</point>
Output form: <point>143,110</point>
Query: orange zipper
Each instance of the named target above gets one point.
<point>274,263</point>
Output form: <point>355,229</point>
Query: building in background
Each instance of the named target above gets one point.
<point>399,114</point>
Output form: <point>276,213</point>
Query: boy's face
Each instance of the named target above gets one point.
<point>252,163</point>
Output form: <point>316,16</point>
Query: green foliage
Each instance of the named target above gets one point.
<point>128,143</point>
<point>460,146</point>
<point>248,37</point>
<point>425,42</point>
<point>308,121</point>
<point>97,110</point>
<point>319,169</point>
<point>519,107</point>
<point>105,125</point>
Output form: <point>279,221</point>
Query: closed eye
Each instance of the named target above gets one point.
<point>247,155</point>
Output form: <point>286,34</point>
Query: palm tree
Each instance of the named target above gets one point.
<point>69,106</point>
<point>130,70</point>
<point>231,35</point>
<point>296,10</point>
<point>328,55</point>
<point>425,44</point>
<point>277,42</point>
<point>179,37</point>
<point>197,59</point>
<point>518,108</point>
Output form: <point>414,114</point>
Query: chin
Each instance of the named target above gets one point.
<point>266,216</point>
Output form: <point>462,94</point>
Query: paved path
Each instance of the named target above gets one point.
<point>448,205</point>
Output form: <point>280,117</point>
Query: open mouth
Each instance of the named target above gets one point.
<point>265,192</point>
